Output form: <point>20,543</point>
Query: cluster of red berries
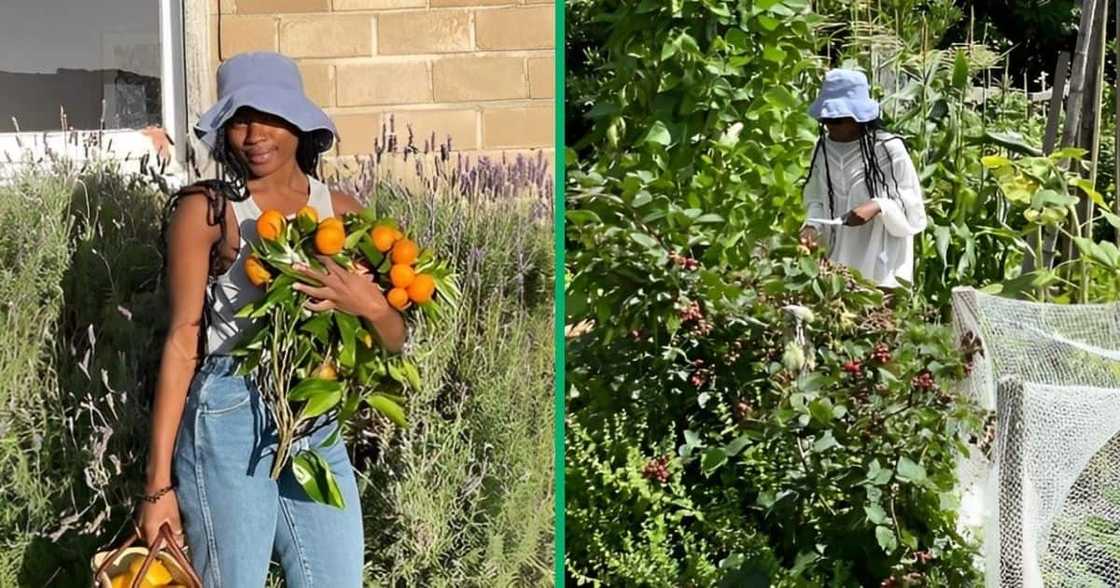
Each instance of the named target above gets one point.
<point>695,315</point>
<point>881,353</point>
<point>657,469</point>
<point>700,373</point>
<point>685,262</point>
<point>736,350</point>
<point>924,381</point>
<point>853,367</point>
<point>742,410</point>
<point>692,312</point>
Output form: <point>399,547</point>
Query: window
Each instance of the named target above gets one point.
<point>113,65</point>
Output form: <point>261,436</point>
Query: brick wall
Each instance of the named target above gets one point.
<point>479,70</point>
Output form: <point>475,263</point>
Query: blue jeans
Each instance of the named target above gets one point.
<point>236,518</point>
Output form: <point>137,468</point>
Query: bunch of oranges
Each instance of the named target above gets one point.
<point>406,285</point>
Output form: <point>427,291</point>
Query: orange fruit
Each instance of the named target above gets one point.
<point>398,297</point>
<point>333,221</point>
<point>404,252</point>
<point>326,371</point>
<point>270,225</point>
<point>383,238</point>
<point>158,574</point>
<point>329,238</point>
<point>422,289</point>
<point>401,276</point>
<point>256,271</point>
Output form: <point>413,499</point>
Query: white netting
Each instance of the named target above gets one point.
<point>1047,494</point>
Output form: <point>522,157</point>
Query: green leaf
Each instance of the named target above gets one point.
<point>319,326</point>
<point>1014,142</point>
<point>411,374</point>
<point>353,238</point>
<point>732,449</point>
<point>709,218</point>
<point>312,386</point>
<point>372,255</point>
<point>911,471</point>
<point>773,53</point>
<point>826,442</point>
<point>386,406</point>
<point>821,411</point>
<point>712,460</point>
<point>658,134</point>
<point>348,326</point>
<point>995,161</point>
<point>320,403</point>
<point>960,71</point>
<point>782,98</point>
<point>1068,153</point>
<point>876,514</point>
<point>643,239</point>
<point>887,541</point>
<point>315,476</point>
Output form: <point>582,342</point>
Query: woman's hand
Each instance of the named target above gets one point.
<point>810,236</point>
<point>342,290</point>
<point>153,515</point>
<point>862,214</point>
<point>354,294</point>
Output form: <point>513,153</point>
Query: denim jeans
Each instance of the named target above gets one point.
<point>237,518</point>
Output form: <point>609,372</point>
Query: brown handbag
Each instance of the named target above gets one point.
<point>111,563</point>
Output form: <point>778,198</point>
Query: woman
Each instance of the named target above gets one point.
<point>212,439</point>
<point>863,174</point>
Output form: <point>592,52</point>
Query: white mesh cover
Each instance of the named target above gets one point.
<point>1048,498</point>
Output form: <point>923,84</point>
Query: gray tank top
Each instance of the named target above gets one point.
<point>226,293</point>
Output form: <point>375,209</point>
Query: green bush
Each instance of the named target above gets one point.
<point>731,458</point>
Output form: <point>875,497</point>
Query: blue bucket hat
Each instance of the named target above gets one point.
<point>268,82</point>
<point>845,93</point>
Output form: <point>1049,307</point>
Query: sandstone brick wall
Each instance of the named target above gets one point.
<point>479,70</point>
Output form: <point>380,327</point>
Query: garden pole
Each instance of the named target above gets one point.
<point>1088,209</point>
<point>1116,98</point>
<point>1057,97</point>
<point>1074,103</point>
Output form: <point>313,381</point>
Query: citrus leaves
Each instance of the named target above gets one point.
<point>313,365</point>
<point>314,474</point>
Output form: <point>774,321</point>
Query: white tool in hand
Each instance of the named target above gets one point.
<point>824,221</point>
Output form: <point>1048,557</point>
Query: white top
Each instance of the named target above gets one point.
<point>227,293</point>
<point>883,249</point>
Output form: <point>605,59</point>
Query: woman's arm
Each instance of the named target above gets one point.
<point>189,240</point>
<point>898,220</point>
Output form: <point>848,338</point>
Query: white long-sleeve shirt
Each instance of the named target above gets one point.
<point>882,249</point>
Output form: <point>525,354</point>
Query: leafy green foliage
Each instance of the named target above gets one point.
<point>736,449</point>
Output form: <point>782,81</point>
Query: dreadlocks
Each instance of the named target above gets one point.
<point>873,174</point>
<point>231,184</point>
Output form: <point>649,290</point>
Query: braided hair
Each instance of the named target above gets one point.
<point>873,173</point>
<point>231,184</point>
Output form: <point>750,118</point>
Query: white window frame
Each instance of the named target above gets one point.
<point>125,145</point>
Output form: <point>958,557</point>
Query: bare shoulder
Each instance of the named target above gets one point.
<point>192,213</point>
<point>344,202</point>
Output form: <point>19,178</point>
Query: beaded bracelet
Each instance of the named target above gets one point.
<point>159,494</point>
